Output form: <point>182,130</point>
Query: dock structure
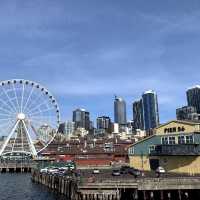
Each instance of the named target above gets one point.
<point>121,188</point>
<point>16,166</point>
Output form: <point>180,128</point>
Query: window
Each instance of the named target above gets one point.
<point>181,139</point>
<point>151,148</point>
<point>168,140</point>
<point>171,140</point>
<point>189,139</point>
<point>131,151</point>
<point>164,140</point>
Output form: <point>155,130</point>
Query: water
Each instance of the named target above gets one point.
<point>20,187</point>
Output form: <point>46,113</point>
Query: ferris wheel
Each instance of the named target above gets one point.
<point>29,117</point>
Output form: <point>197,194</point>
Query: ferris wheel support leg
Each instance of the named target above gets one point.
<point>9,137</point>
<point>33,150</point>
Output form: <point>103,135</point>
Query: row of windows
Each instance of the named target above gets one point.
<point>182,139</point>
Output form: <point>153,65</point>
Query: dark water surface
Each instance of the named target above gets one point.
<point>20,187</point>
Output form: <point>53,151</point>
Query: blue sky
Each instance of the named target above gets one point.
<point>85,51</point>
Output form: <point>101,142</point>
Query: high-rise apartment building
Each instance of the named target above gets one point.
<point>119,110</point>
<point>193,97</point>
<point>150,109</point>
<point>187,113</point>
<point>67,128</point>
<point>81,118</point>
<point>103,122</point>
<point>138,121</point>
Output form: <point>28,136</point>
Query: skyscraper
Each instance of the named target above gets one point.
<point>119,110</point>
<point>138,120</point>
<point>104,122</point>
<point>187,113</point>
<point>81,118</point>
<point>67,128</point>
<point>193,97</point>
<point>150,110</point>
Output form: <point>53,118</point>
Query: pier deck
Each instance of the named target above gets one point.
<point>105,186</point>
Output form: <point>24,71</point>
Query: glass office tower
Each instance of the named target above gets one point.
<point>120,111</point>
<point>193,97</point>
<point>150,109</point>
<point>138,120</point>
<point>81,118</point>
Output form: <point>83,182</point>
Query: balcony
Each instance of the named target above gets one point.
<point>176,149</point>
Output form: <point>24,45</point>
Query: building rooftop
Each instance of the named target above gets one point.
<point>193,87</point>
<point>149,92</point>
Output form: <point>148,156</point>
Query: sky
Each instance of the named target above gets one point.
<point>87,51</point>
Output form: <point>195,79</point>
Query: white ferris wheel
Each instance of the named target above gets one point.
<point>29,118</point>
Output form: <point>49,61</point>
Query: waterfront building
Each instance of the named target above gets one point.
<point>150,110</point>
<point>187,113</point>
<point>138,115</point>
<point>193,97</point>
<point>175,146</point>
<point>81,118</point>
<point>119,110</point>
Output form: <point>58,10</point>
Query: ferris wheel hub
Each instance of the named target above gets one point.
<point>21,116</point>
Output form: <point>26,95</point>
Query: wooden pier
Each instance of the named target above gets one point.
<point>13,167</point>
<point>119,188</point>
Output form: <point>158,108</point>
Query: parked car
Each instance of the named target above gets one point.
<point>71,165</point>
<point>96,171</point>
<point>116,172</point>
<point>44,170</point>
<point>134,172</point>
<point>159,171</point>
<point>124,169</point>
<point>53,170</point>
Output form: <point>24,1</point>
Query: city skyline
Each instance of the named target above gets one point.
<point>85,53</point>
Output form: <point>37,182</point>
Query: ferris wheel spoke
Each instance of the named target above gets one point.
<point>22,97</point>
<point>6,111</point>
<point>34,102</point>
<point>40,122</point>
<point>41,111</point>
<point>38,133</point>
<point>28,99</point>
<point>6,119</point>
<point>7,106</point>
<point>46,102</point>
<point>18,110</point>
<point>9,99</point>
<point>43,118</point>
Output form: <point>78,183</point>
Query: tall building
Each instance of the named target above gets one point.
<point>150,110</point>
<point>193,97</point>
<point>81,118</point>
<point>104,122</point>
<point>187,113</point>
<point>119,110</point>
<point>138,120</point>
<point>67,128</point>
